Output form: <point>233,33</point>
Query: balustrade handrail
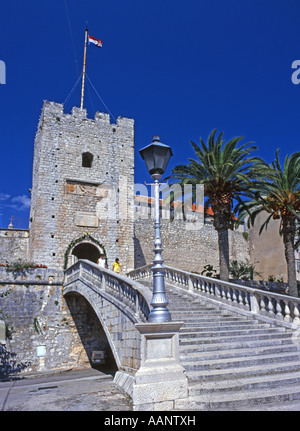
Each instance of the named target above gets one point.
<point>128,292</point>
<point>278,308</point>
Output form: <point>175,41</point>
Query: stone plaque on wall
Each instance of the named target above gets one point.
<point>87,189</point>
<point>87,219</point>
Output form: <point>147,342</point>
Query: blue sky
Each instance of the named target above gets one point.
<point>180,69</point>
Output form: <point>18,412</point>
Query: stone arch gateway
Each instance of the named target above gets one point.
<point>84,247</point>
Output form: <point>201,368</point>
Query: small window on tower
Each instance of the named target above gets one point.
<point>87,160</point>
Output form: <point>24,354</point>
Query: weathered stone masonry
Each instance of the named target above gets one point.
<point>83,181</point>
<point>36,314</point>
<point>185,246</point>
<point>83,195</point>
<point>13,245</point>
<point>70,323</point>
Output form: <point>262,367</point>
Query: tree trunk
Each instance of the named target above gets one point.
<point>223,254</point>
<point>288,232</point>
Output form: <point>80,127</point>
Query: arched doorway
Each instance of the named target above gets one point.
<point>86,250</point>
<point>85,247</point>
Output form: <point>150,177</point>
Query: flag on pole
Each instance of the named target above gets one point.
<point>94,41</point>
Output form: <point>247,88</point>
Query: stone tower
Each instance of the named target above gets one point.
<point>82,198</point>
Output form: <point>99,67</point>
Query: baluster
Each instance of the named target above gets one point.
<point>190,284</point>
<point>246,301</point>
<point>209,288</point>
<point>224,289</point>
<point>136,303</point>
<point>228,294</point>
<point>296,314</point>
<point>234,298</point>
<point>270,306</point>
<point>278,310</point>
<point>240,298</point>
<point>206,287</point>
<point>103,284</point>
<point>197,284</point>
<point>262,305</point>
<point>202,286</point>
<point>287,312</point>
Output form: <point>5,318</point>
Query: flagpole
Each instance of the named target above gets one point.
<point>83,73</point>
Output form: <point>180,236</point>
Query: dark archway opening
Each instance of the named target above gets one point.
<point>88,251</point>
<point>91,332</point>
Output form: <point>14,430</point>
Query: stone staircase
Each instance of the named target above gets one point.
<point>234,362</point>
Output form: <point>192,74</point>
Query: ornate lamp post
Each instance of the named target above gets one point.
<point>157,156</point>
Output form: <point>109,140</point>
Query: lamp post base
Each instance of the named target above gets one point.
<point>159,315</point>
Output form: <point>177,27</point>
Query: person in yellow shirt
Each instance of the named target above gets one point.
<point>117,266</point>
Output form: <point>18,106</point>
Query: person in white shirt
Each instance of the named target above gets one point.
<point>101,262</point>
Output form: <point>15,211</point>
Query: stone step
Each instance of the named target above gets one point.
<point>220,320</point>
<point>220,327</point>
<point>283,406</point>
<point>206,341</point>
<point>246,371</point>
<point>245,399</point>
<point>232,361</point>
<point>244,383</point>
<point>223,346</point>
<point>203,314</point>
<point>211,319</point>
<point>196,356</point>
<point>229,333</point>
<point>195,310</point>
<point>239,362</point>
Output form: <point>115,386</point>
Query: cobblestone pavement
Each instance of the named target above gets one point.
<point>80,390</point>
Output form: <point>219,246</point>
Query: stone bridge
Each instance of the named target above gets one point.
<point>146,355</point>
<point>119,304</point>
<point>247,328</point>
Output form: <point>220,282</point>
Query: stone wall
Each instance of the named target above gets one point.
<point>267,249</point>
<point>83,182</point>
<point>36,314</point>
<point>13,245</point>
<point>183,247</point>
<point>69,325</point>
<point>186,245</point>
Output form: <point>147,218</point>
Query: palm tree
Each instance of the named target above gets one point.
<point>228,174</point>
<point>279,195</point>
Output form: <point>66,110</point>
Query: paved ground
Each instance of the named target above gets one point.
<point>81,390</point>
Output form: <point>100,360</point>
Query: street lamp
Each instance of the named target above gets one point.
<point>157,156</point>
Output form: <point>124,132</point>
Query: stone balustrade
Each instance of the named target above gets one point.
<point>276,308</point>
<point>130,294</point>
